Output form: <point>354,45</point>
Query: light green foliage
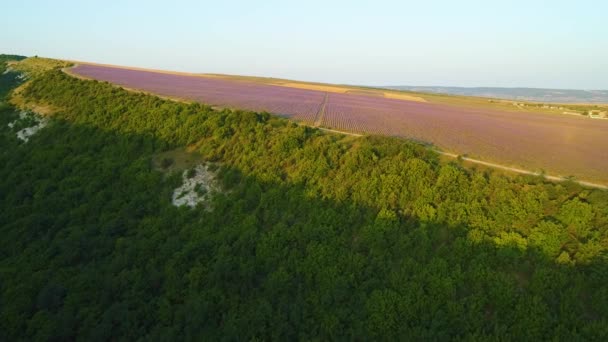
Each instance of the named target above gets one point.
<point>548,237</point>
<point>576,216</point>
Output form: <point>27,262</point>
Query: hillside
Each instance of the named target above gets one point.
<point>305,236</point>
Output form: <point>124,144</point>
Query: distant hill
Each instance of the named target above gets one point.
<point>527,94</point>
<point>4,57</point>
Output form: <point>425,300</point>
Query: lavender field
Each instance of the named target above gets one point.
<point>298,104</point>
<point>560,144</point>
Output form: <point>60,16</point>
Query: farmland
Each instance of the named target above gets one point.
<point>559,144</point>
<point>300,104</point>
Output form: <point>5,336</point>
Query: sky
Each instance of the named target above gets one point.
<point>548,44</point>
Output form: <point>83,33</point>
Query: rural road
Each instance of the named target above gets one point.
<point>521,171</point>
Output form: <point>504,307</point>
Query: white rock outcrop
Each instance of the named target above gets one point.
<point>195,189</point>
<point>25,133</point>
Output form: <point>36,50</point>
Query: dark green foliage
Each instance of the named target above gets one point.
<point>200,189</point>
<point>191,173</point>
<point>5,57</point>
<point>317,236</point>
<point>8,80</point>
<point>166,162</point>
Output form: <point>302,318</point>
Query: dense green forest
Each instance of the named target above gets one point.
<point>8,80</point>
<point>315,236</point>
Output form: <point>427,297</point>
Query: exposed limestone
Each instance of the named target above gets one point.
<point>25,133</point>
<point>198,186</point>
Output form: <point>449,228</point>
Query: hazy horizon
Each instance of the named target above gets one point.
<point>388,43</point>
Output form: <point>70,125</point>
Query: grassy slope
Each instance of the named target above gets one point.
<point>33,67</point>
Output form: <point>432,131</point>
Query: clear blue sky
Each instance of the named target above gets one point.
<point>556,44</point>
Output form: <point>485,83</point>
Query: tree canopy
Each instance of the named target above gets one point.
<point>316,236</point>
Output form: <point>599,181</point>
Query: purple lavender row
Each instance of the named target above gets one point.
<point>300,104</point>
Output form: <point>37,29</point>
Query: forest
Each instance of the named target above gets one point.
<point>315,236</point>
